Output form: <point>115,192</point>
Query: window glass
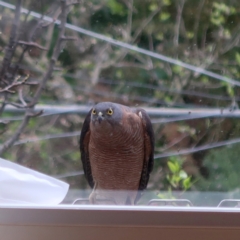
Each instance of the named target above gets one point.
<point>178,60</point>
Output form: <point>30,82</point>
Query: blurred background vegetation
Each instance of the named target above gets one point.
<point>204,33</point>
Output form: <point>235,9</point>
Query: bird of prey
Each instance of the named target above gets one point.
<point>117,146</point>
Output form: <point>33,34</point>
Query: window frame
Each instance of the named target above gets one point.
<point>107,222</point>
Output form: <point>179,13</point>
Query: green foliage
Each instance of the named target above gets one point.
<point>116,7</point>
<point>164,16</point>
<point>224,168</point>
<point>166,2</point>
<point>177,177</point>
<point>177,69</point>
<point>74,156</point>
<point>230,88</point>
<point>190,35</point>
<point>220,11</point>
<point>237,56</point>
<point>153,6</point>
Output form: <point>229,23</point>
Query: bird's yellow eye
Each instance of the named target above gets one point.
<point>94,111</point>
<point>110,111</point>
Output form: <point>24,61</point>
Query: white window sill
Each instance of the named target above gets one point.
<point>117,222</point>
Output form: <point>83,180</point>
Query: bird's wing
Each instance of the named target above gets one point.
<point>148,148</point>
<point>84,142</point>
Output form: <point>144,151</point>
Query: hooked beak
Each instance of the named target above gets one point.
<point>100,117</point>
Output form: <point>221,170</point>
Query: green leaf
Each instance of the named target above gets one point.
<point>237,56</point>
<point>187,183</point>
<point>227,34</point>
<point>172,167</point>
<point>166,2</point>
<point>159,36</point>
<point>233,10</point>
<point>115,7</point>
<point>119,73</point>
<point>176,179</point>
<point>230,90</point>
<point>177,69</point>
<point>217,20</point>
<point>204,79</point>
<point>168,177</point>
<point>153,7</point>
<point>183,174</point>
<point>164,16</point>
<point>190,34</point>
<point>221,7</point>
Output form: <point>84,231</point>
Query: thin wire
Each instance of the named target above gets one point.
<point>47,137</point>
<point>165,89</point>
<point>128,46</point>
<point>189,113</point>
<point>197,149</point>
<point>146,86</point>
<point>153,120</point>
<point>131,97</point>
<point>177,119</point>
<point>156,156</point>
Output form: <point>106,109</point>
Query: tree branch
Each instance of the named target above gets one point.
<point>14,84</point>
<point>55,55</point>
<point>197,21</point>
<point>180,6</point>
<point>32,44</point>
<point>10,49</point>
<point>42,85</point>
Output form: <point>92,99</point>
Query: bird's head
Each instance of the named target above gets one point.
<point>106,113</point>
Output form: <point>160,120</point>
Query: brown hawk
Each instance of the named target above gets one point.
<point>117,146</point>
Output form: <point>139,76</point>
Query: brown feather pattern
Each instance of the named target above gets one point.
<point>116,156</point>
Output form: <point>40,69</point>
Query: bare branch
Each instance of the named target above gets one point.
<point>41,86</point>
<point>14,84</point>
<point>72,3</point>
<point>35,114</point>
<point>234,41</point>
<point>55,55</point>
<point>197,21</point>
<point>10,49</point>
<point>145,23</point>
<point>69,38</point>
<point>180,6</point>
<point>33,44</point>
<point>17,105</point>
<point>175,142</point>
<point>129,21</point>
<point>16,135</point>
